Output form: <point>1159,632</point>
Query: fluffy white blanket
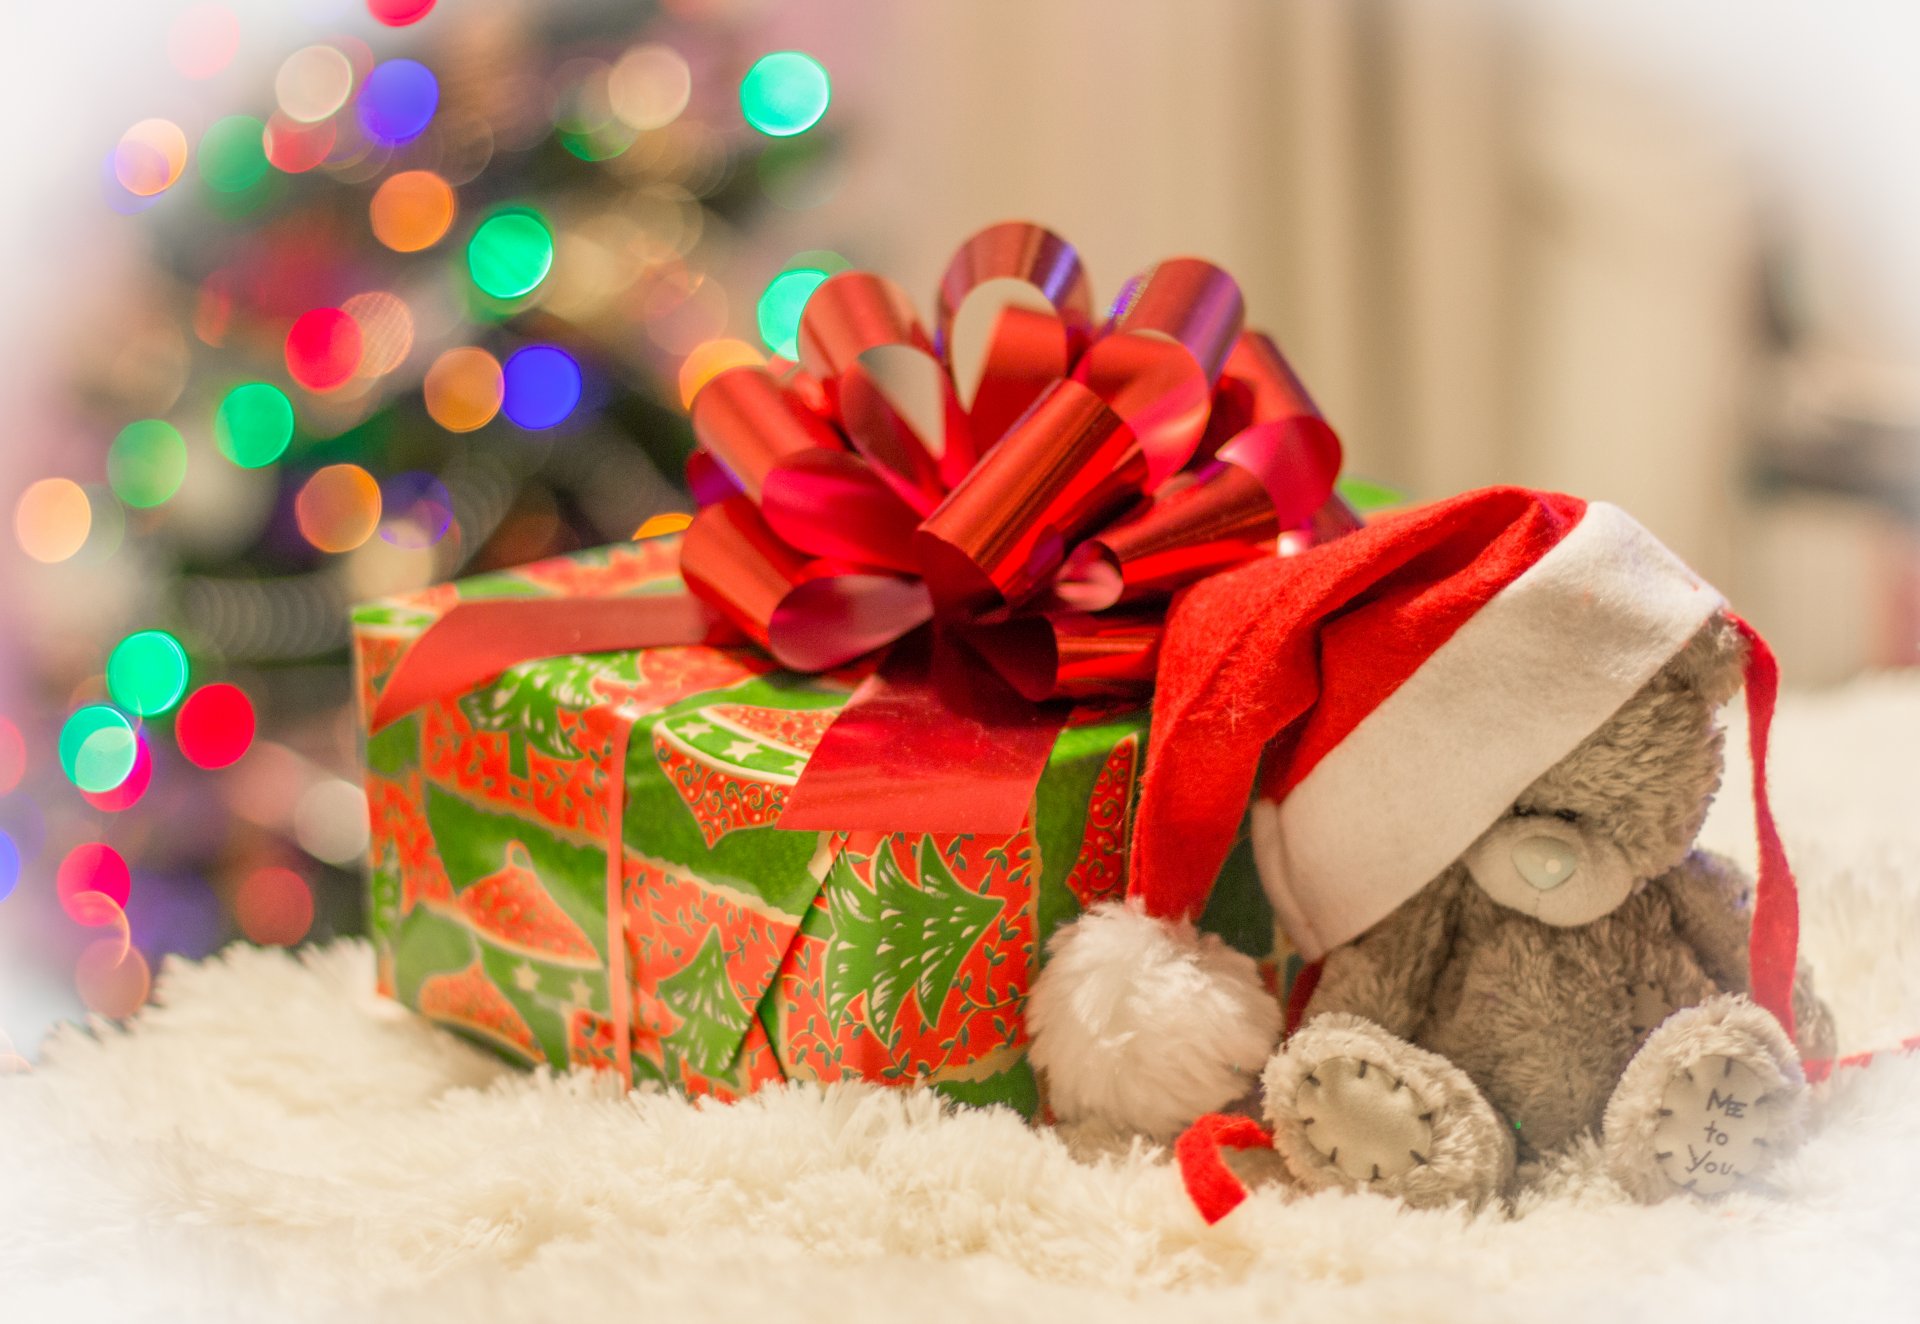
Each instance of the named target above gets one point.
<point>272,1142</point>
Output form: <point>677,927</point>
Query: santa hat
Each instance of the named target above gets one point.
<point>1394,690</point>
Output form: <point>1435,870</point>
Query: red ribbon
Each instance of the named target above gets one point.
<point>1011,546</point>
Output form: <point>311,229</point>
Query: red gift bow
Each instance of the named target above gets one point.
<point>1027,554</point>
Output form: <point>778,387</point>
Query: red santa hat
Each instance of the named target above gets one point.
<point>1393,691</point>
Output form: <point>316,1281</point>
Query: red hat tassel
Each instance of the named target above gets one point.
<point>1210,1183</point>
<point>1774,948</point>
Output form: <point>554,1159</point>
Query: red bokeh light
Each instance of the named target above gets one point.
<point>323,348</point>
<point>295,147</point>
<point>127,793</point>
<point>274,907</point>
<point>91,871</point>
<point>13,756</point>
<point>214,726</point>
<point>399,13</point>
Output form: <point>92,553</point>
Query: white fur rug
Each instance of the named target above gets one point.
<point>272,1143</point>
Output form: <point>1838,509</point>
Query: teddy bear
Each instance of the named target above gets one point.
<point>1579,970</point>
<point>1484,737</point>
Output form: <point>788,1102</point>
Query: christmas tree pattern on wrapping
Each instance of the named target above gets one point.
<point>913,960</point>
<point>733,764</point>
<point>1099,871</point>
<point>469,1001</point>
<point>700,957</point>
<point>512,910</point>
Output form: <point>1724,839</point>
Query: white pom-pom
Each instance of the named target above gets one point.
<point>1145,1024</point>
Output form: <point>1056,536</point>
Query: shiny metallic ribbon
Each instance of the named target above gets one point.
<point>1018,561</point>
<point>1023,555</point>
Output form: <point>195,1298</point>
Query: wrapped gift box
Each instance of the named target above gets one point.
<point>735,952</point>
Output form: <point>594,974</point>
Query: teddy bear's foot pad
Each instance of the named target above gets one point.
<point>1355,1107</point>
<point>1364,1119</point>
<point>1718,1125</point>
<point>1712,1100</point>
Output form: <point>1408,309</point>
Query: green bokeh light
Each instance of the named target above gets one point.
<point>510,254</point>
<point>233,154</point>
<point>1365,495</point>
<point>146,463</point>
<point>254,424</point>
<point>147,672</point>
<point>781,304</point>
<point>785,93</point>
<point>98,748</point>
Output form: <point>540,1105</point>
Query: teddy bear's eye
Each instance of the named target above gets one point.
<point>1529,811</point>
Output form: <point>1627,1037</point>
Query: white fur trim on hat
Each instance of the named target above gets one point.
<point>1530,675</point>
<point>1145,1024</point>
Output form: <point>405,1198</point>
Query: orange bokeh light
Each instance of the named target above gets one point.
<point>412,210</point>
<point>339,508</point>
<point>464,389</point>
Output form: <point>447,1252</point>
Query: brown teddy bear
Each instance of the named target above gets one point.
<point>1490,739</point>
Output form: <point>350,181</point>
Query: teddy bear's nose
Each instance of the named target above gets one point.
<point>1545,862</point>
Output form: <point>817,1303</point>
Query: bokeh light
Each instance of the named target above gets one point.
<point>412,210</point>
<point>202,40</point>
<point>98,747</point>
<point>397,102</point>
<point>9,866</point>
<point>510,253</point>
<point>295,148</point>
<point>463,389</point>
<point>709,360</point>
<point>781,305</point>
<point>649,86</point>
<point>254,424</point>
<point>214,726</point>
<point>127,794</point>
<point>338,508</point>
<point>91,871</point>
<point>146,463</point>
<point>323,348</point>
<point>399,13</point>
<point>233,153</point>
<point>785,93</point>
<point>52,519</point>
<point>330,821</point>
<point>112,978</point>
<point>150,157</point>
<point>13,756</point>
<point>416,510</point>
<point>274,907</point>
<point>313,83</point>
<point>386,331</point>
<point>147,672</point>
<point>542,386</point>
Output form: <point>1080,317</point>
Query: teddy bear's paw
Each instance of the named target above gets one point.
<point>1363,1119</point>
<point>1718,1124</point>
<point>1354,1106</point>
<point>1711,1101</point>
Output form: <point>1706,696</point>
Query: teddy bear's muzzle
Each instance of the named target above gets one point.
<point>1549,869</point>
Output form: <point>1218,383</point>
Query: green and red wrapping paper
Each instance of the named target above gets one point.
<point>746,953</point>
<point>802,794</point>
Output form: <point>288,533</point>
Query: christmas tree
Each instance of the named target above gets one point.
<point>431,304</point>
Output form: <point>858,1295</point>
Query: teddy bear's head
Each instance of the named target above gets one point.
<point>1625,805</point>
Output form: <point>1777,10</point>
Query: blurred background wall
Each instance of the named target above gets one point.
<point>1661,254</point>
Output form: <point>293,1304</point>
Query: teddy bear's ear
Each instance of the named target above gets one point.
<point>1714,662</point>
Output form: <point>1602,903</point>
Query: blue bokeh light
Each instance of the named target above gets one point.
<point>542,386</point>
<point>9,866</point>
<point>397,102</point>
